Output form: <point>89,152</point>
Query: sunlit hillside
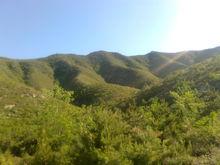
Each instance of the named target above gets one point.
<point>107,108</point>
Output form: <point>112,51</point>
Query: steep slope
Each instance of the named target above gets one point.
<point>204,76</point>
<point>72,73</point>
<point>162,64</point>
<point>33,73</point>
<point>46,127</point>
<point>75,73</point>
<point>103,76</point>
<point>70,70</point>
<point>118,69</point>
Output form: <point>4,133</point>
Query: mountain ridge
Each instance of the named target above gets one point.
<point>107,108</point>
<point>101,70</point>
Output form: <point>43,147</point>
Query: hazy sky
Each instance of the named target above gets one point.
<point>36,28</point>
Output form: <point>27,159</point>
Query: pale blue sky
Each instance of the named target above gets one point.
<point>37,28</point>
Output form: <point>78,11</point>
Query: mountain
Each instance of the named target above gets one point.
<point>72,73</point>
<point>107,108</point>
<point>102,76</point>
<point>118,69</point>
<point>204,76</point>
<point>162,64</point>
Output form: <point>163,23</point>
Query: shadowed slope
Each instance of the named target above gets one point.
<point>118,69</point>
<point>72,72</point>
<point>102,76</point>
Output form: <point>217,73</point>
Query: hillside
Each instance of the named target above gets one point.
<point>109,67</point>
<point>101,75</point>
<point>69,72</point>
<point>118,69</point>
<point>162,64</point>
<point>107,108</point>
<point>204,77</point>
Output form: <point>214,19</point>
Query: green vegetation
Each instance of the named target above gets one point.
<point>203,76</point>
<point>106,108</point>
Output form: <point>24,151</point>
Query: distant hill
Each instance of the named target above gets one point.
<point>107,108</point>
<point>204,76</point>
<point>162,64</point>
<point>118,69</point>
<point>103,76</point>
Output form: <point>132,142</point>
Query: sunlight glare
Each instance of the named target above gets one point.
<point>196,26</point>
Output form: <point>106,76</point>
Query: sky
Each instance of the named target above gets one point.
<point>38,28</point>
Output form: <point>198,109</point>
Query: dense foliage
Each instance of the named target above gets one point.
<point>56,132</point>
<point>85,110</point>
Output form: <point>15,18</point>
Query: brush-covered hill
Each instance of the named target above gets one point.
<point>162,64</point>
<point>72,73</point>
<point>100,76</point>
<point>41,122</point>
<point>118,69</point>
<point>204,76</point>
